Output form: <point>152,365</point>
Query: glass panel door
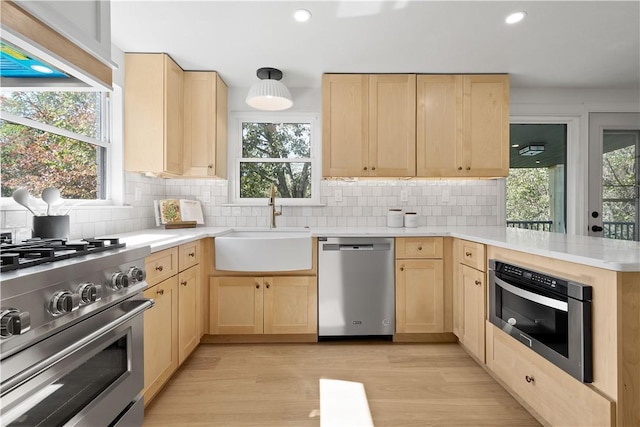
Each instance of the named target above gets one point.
<point>614,187</point>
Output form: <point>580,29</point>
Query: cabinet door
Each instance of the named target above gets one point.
<point>188,313</point>
<point>485,149</point>
<point>419,296</point>
<point>160,336</point>
<point>291,305</point>
<point>236,305</point>
<point>345,125</point>
<point>205,124</point>
<point>174,117</point>
<point>473,288</point>
<point>392,125</point>
<point>439,125</point>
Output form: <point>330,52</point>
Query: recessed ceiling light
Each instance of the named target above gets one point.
<point>42,69</point>
<point>515,17</point>
<point>302,15</point>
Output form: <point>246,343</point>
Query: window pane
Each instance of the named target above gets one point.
<point>292,180</point>
<point>276,140</point>
<point>77,112</point>
<point>36,160</point>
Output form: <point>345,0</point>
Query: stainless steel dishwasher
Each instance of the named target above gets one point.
<point>355,286</point>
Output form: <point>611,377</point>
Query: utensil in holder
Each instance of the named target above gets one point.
<point>51,226</point>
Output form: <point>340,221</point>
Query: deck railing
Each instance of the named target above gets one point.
<point>619,230</point>
<point>531,225</point>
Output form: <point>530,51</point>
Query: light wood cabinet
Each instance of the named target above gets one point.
<point>205,125</point>
<point>368,125</point>
<point>188,310</point>
<point>160,336</point>
<point>462,125</point>
<point>420,301</point>
<point>263,305</point>
<point>154,114</point>
<point>469,296</point>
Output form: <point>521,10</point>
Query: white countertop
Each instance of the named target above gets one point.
<point>609,254</point>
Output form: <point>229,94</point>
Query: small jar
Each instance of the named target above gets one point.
<point>410,220</point>
<point>394,218</point>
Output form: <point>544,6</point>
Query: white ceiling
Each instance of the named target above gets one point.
<point>576,44</point>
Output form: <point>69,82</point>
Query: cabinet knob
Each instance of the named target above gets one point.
<point>183,283</point>
<point>192,254</point>
<point>365,168</point>
<point>529,379</point>
<point>402,268</point>
<point>160,292</point>
<point>373,168</point>
<point>419,248</point>
<point>468,168</point>
<point>478,282</point>
<point>257,286</point>
<point>210,166</point>
<point>459,168</point>
<point>159,268</point>
<point>468,254</point>
<point>268,285</point>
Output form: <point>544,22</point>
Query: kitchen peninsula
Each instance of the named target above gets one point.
<point>610,267</point>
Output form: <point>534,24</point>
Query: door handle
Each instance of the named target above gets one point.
<point>596,228</point>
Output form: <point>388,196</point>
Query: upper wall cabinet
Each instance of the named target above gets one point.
<point>73,36</point>
<point>205,124</point>
<point>153,125</point>
<point>462,125</point>
<point>368,125</point>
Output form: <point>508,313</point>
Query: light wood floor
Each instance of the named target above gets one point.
<point>277,385</point>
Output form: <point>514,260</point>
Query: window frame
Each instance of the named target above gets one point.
<point>235,156</point>
<point>104,184</point>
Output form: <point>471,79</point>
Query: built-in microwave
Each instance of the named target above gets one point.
<point>550,315</point>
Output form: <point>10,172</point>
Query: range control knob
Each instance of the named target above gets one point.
<point>88,293</point>
<point>137,274</point>
<point>64,302</point>
<point>119,280</point>
<point>13,322</point>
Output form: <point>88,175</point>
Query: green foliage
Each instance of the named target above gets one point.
<point>528,195</point>
<point>36,159</point>
<point>275,142</point>
<point>618,185</point>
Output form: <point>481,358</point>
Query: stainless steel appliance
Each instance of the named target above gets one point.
<point>355,286</point>
<point>71,333</point>
<point>549,314</point>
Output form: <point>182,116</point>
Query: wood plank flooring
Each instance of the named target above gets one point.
<point>278,385</point>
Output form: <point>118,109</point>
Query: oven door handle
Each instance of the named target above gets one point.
<point>138,307</point>
<point>540,299</point>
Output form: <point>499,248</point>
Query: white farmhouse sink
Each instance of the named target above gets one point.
<point>264,250</point>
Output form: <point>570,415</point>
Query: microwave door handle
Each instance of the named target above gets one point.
<point>540,299</point>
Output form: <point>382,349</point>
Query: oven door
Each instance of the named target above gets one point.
<point>89,374</point>
<point>558,328</point>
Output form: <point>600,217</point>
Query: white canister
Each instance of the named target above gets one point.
<point>410,220</point>
<point>394,218</point>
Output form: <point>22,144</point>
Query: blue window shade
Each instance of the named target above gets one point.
<point>14,63</point>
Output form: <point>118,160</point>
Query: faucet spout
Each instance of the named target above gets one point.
<point>272,203</point>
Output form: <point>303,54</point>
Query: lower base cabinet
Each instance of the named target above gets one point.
<point>188,312</point>
<point>263,305</point>
<point>557,397</point>
<point>160,336</point>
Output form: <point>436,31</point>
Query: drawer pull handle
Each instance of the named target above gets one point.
<point>192,254</point>
<point>159,268</point>
<point>183,283</point>
<point>478,282</point>
<point>468,254</point>
<point>160,292</point>
<point>529,379</point>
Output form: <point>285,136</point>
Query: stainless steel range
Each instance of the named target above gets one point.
<point>71,333</point>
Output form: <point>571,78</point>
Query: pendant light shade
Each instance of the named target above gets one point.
<point>269,93</point>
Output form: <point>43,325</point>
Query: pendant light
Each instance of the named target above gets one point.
<point>269,93</point>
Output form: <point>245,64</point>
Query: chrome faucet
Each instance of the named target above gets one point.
<point>272,202</point>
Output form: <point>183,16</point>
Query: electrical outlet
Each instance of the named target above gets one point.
<point>137,195</point>
<point>206,196</point>
<point>445,196</point>
<point>338,195</point>
<point>404,196</point>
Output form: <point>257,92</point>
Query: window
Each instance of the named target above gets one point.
<point>54,139</point>
<point>278,150</point>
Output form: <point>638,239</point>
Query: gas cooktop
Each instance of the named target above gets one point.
<point>40,251</point>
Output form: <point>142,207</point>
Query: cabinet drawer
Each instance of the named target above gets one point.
<point>188,255</point>
<point>419,247</point>
<point>559,398</point>
<point>161,265</point>
<point>471,254</point>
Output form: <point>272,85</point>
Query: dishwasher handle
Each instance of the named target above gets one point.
<point>356,247</point>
